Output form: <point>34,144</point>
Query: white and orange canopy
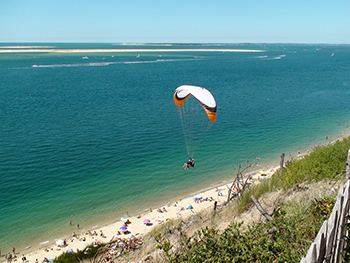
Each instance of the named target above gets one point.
<point>202,95</point>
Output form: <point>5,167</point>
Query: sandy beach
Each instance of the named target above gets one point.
<point>183,208</point>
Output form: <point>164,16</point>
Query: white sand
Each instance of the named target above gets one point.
<point>173,211</point>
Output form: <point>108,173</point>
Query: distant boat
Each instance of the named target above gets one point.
<point>138,56</point>
<point>332,55</point>
<point>85,57</point>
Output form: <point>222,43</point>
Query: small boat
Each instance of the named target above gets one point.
<point>85,57</point>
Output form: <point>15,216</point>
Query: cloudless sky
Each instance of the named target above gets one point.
<point>180,21</point>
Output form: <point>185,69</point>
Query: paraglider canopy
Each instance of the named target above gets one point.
<point>198,111</point>
<point>204,97</point>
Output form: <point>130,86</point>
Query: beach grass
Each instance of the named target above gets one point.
<point>323,162</point>
<point>285,239</point>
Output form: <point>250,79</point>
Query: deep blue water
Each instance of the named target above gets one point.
<point>89,139</point>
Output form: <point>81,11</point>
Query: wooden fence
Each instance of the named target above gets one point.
<point>329,242</point>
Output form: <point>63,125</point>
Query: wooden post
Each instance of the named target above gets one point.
<point>259,207</point>
<point>281,163</point>
<point>239,182</point>
<point>347,171</point>
<point>233,183</point>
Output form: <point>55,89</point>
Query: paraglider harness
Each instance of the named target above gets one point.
<point>190,162</point>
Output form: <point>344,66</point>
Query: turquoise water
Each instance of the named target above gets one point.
<point>89,139</point>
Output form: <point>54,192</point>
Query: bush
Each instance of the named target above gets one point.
<point>284,239</point>
<point>324,162</point>
<point>78,256</point>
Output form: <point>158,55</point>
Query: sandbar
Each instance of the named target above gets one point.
<point>45,50</point>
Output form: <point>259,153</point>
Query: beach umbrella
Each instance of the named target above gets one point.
<point>146,221</point>
<point>124,218</point>
<point>60,242</point>
<point>188,206</point>
<point>123,228</point>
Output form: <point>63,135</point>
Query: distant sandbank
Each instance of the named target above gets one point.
<point>45,50</point>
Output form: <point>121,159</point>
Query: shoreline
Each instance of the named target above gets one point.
<point>174,210</point>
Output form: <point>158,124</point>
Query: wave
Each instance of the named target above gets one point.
<point>101,64</point>
<point>75,65</point>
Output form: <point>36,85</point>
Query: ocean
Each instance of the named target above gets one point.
<point>88,137</point>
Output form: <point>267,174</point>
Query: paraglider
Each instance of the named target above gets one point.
<point>188,164</point>
<point>197,109</point>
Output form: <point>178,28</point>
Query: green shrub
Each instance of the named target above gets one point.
<point>324,162</point>
<point>284,239</point>
<point>78,256</point>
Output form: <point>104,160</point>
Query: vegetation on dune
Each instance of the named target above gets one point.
<point>79,256</point>
<point>284,239</point>
<point>324,162</point>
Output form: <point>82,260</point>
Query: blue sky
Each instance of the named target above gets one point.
<point>190,21</point>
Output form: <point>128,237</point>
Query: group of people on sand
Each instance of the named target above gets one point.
<point>13,257</point>
<point>91,234</point>
<point>200,200</point>
<point>9,257</point>
<point>163,210</point>
<point>88,233</point>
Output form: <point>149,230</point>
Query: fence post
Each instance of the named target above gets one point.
<point>342,220</point>
<point>281,163</point>
<point>347,171</point>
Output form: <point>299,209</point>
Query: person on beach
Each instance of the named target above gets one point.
<point>188,164</point>
<point>102,235</point>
